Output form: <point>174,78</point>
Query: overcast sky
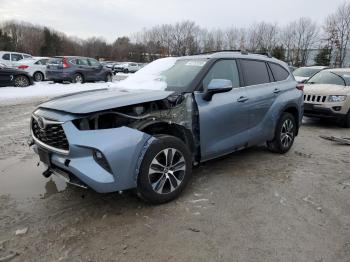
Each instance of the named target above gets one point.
<point>113,18</point>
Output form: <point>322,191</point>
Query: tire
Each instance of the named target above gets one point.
<point>346,121</point>
<point>38,76</point>
<point>109,78</point>
<point>160,182</point>
<point>21,81</point>
<point>126,71</point>
<point>285,132</point>
<point>78,78</point>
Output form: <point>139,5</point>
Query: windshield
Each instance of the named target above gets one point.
<point>327,77</point>
<point>170,74</point>
<point>305,71</point>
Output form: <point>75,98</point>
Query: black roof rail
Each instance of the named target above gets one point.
<point>243,52</point>
<point>268,54</point>
<point>219,51</point>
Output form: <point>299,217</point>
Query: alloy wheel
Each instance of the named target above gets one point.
<point>78,79</point>
<point>287,133</point>
<point>167,170</point>
<point>38,77</point>
<point>21,81</point>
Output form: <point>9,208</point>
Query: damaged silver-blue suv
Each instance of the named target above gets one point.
<point>148,131</point>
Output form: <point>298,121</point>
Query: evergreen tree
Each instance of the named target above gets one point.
<point>323,57</point>
<point>52,43</point>
<point>279,52</point>
<point>6,42</point>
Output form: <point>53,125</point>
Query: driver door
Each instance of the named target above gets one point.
<point>224,120</point>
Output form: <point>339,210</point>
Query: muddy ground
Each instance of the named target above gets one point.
<point>248,206</point>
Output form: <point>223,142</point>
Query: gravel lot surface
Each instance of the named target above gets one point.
<point>249,206</point>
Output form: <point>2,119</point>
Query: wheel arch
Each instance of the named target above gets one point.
<point>172,129</point>
<point>293,110</point>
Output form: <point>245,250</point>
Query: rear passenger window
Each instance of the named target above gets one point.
<point>82,61</point>
<point>223,69</point>
<point>6,57</point>
<point>16,57</point>
<point>278,72</point>
<point>255,72</point>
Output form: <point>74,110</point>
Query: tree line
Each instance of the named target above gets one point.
<point>291,43</point>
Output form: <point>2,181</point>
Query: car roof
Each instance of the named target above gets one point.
<point>339,70</point>
<point>15,53</point>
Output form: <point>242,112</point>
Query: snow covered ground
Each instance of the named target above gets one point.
<point>49,89</point>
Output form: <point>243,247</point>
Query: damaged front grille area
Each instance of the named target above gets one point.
<point>50,134</point>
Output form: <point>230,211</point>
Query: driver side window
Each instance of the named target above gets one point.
<point>223,69</point>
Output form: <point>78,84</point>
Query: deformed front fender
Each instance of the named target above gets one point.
<point>122,147</point>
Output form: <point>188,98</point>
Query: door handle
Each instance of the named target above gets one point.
<point>242,99</point>
<point>276,91</point>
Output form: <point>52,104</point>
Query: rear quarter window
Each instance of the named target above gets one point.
<point>255,72</point>
<point>278,72</point>
<point>6,57</point>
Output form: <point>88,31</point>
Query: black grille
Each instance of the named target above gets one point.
<point>52,135</point>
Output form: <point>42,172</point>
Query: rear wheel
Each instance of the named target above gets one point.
<point>38,77</point>
<point>21,81</point>
<point>285,132</point>
<point>126,71</point>
<point>165,170</point>
<point>78,78</point>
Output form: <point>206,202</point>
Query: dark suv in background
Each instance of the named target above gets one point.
<point>77,70</point>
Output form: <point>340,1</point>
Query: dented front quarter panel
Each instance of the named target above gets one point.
<point>123,147</point>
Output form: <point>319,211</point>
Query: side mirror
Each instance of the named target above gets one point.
<point>216,86</point>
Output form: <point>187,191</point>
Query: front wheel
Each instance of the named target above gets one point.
<point>21,81</point>
<point>285,132</point>
<point>346,121</point>
<point>38,77</point>
<point>165,170</point>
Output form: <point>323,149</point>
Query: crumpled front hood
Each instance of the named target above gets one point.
<point>99,100</point>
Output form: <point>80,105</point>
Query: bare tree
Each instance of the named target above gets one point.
<point>337,29</point>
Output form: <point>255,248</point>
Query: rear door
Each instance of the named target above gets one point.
<point>6,77</point>
<point>224,120</point>
<point>97,72</point>
<point>85,69</point>
<point>261,93</point>
<point>15,58</point>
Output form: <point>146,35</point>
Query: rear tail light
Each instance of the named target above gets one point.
<point>23,67</point>
<point>300,87</point>
<point>65,63</point>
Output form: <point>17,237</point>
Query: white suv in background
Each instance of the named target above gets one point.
<point>10,59</point>
<point>35,67</point>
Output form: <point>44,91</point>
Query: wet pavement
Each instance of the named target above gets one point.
<point>249,206</point>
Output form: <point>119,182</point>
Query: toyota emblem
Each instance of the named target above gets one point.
<point>41,123</point>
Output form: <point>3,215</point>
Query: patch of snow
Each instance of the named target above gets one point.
<point>47,89</point>
<point>148,77</point>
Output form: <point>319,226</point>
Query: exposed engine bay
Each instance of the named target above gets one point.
<point>177,111</point>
